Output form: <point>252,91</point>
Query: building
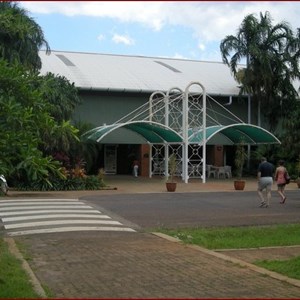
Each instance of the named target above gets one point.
<point>114,86</point>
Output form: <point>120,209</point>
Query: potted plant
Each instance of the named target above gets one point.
<point>239,161</point>
<point>171,184</point>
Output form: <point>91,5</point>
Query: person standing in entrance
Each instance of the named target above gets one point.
<point>135,165</point>
<point>280,180</point>
<point>265,181</point>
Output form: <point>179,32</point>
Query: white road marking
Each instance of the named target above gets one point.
<point>18,213</point>
<point>68,229</point>
<point>60,222</point>
<point>34,203</point>
<point>44,206</point>
<point>53,216</point>
<point>21,213</point>
<point>35,200</point>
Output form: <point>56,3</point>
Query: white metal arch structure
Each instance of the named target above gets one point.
<point>183,123</point>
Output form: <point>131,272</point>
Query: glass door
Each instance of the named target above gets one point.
<point>110,159</point>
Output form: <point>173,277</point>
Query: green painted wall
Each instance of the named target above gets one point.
<point>99,107</point>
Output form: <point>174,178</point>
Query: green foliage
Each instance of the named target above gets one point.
<point>38,170</point>
<point>35,110</point>
<point>172,166</point>
<point>101,176</point>
<point>20,37</point>
<point>239,159</point>
<point>290,137</point>
<point>28,134</point>
<point>272,54</point>
<point>60,94</point>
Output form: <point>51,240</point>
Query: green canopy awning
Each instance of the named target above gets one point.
<point>156,133</point>
<point>233,134</point>
<point>150,132</point>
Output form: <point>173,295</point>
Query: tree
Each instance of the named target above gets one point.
<point>271,64</point>
<point>24,122</point>
<point>21,37</point>
<point>61,95</point>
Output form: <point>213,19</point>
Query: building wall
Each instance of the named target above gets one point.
<point>98,108</point>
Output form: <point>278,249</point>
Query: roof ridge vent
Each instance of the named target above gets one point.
<point>168,66</point>
<point>65,60</point>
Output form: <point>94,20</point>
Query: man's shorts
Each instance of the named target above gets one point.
<point>265,183</point>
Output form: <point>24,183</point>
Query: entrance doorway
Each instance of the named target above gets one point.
<point>110,159</point>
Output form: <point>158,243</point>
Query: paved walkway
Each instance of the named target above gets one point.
<point>143,265</point>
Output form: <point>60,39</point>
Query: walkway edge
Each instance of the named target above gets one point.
<point>35,282</point>
<point>242,263</point>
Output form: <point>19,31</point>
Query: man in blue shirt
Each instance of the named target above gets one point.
<point>265,181</point>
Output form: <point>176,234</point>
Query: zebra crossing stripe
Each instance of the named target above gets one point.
<point>36,200</point>
<point>44,206</point>
<point>23,203</point>
<point>69,229</point>
<point>18,213</point>
<point>53,216</point>
<point>60,222</point>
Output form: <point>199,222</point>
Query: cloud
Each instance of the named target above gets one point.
<point>210,21</point>
<point>179,56</point>
<point>122,39</point>
<point>201,46</point>
<point>101,37</point>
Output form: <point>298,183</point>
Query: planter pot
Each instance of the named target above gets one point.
<point>171,186</point>
<point>239,185</point>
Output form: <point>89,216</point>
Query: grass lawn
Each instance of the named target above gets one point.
<point>290,267</point>
<point>14,282</point>
<point>246,237</point>
<point>238,237</point>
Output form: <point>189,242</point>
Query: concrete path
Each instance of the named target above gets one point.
<point>145,265</point>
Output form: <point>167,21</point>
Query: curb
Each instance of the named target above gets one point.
<point>242,263</point>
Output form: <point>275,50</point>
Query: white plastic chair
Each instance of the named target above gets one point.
<point>228,171</point>
<point>210,171</point>
<point>221,172</point>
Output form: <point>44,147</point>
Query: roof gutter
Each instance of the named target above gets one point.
<point>124,90</point>
<point>116,90</point>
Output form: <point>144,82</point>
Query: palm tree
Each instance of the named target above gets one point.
<point>21,37</point>
<point>270,64</point>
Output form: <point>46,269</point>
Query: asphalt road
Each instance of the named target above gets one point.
<point>173,210</point>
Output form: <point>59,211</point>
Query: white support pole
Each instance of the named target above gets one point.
<point>204,136</point>
<point>151,99</point>
<point>249,122</point>
<point>166,145</point>
<point>185,128</point>
<point>185,132</point>
<point>150,161</point>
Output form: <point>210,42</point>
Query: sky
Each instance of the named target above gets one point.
<point>173,29</point>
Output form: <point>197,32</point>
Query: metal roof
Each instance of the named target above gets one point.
<point>155,133</point>
<point>94,71</point>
